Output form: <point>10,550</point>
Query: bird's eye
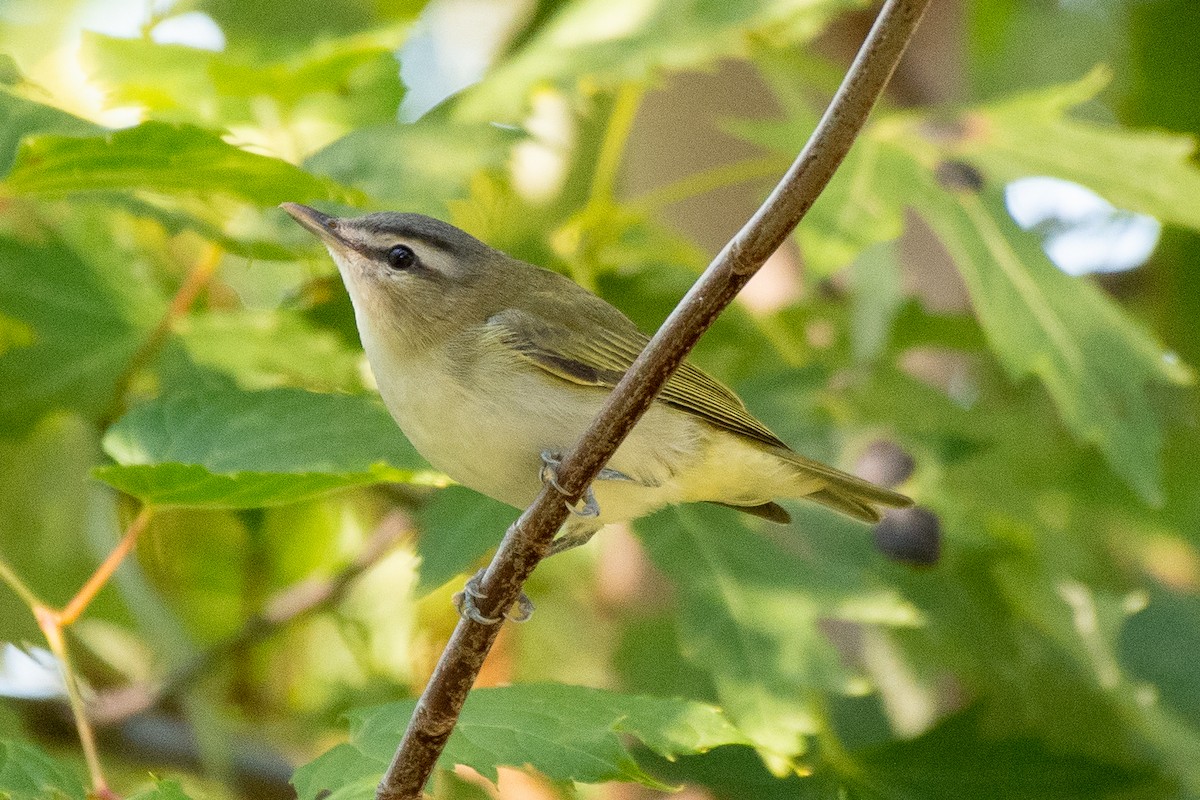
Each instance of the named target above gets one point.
<point>401,257</point>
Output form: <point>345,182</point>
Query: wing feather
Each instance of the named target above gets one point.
<point>601,355</point>
<point>593,344</point>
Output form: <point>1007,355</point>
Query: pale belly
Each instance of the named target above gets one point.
<point>492,442</point>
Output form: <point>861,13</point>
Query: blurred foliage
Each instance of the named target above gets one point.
<point>168,337</point>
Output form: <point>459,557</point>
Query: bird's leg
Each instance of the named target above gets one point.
<point>587,506</point>
<point>574,535</point>
<point>464,601</point>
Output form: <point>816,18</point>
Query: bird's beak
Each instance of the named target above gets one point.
<point>323,225</point>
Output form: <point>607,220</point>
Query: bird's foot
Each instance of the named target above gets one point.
<point>465,602</point>
<point>587,505</point>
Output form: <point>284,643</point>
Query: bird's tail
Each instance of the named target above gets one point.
<point>843,492</point>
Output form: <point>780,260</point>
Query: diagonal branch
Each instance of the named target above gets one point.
<point>528,540</point>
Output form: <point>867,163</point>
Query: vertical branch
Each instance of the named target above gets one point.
<point>47,619</point>
<point>528,540</point>
<point>52,622</point>
<point>608,160</point>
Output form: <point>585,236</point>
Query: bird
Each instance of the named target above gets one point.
<point>493,368</point>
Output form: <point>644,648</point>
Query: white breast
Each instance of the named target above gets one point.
<point>490,440</point>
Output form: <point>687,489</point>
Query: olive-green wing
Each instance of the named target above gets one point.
<point>596,344</point>
<point>595,349</point>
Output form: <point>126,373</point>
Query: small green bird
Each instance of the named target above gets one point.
<point>493,368</point>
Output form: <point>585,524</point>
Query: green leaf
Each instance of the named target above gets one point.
<point>344,773</point>
<point>589,44</point>
<point>1151,172</point>
<point>79,324</point>
<point>1094,361</point>
<point>457,527</point>
<point>733,773</point>
<point>13,334</point>
<point>169,78</point>
<point>1086,624</point>
<point>606,238</point>
<point>1015,45</point>
<point>853,213</point>
<point>164,158</point>
<point>353,81</point>
<point>748,614</point>
<point>275,26</point>
<point>20,118</point>
<point>269,349</point>
<point>417,167</point>
<point>1174,618</point>
<point>27,773</point>
<point>568,733</point>
<point>961,758</point>
<point>1096,364</point>
<point>236,233</point>
<point>249,449</point>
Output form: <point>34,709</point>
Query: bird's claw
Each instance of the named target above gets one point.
<point>587,505</point>
<point>464,601</point>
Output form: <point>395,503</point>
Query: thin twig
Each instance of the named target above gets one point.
<point>54,621</point>
<point>47,619</point>
<point>528,540</point>
<point>100,577</point>
<point>290,605</point>
<point>197,278</point>
<point>9,576</point>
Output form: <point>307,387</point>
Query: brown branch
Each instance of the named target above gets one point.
<point>290,605</point>
<point>528,540</point>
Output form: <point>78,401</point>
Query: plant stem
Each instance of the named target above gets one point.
<point>52,623</point>
<point>9,576</point>
<point>47,619</point>
<point>608,160</point>
<point>601,198</point>
<point>529,538</point>
<point>106,569</point>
